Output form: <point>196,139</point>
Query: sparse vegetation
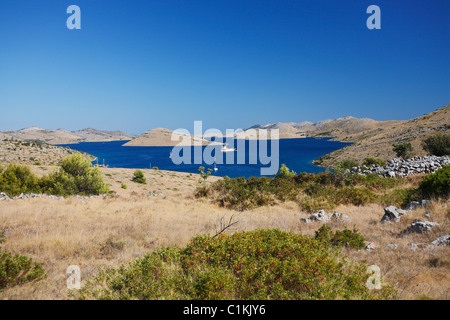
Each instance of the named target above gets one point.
<point>324,190</point>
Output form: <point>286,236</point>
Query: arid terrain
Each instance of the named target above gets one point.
<point>62,136</point>
<point>107,231</point>
<point>103,232</point>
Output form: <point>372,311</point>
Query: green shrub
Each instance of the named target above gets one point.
<point>371,161</point>
<point>437,144</point>
<point>403,150</point>
<point>324,190</point>
<point>76,176</point>
<point>347,164</point>
<point>155,168</point>
<point>138,177</point>
<point>17,269</point>
<point>436,184</point>
<point>341,238</point>
<point>17,179</point>
<point>123,185</point>
<point>284,172</point>
<point>256,265</point>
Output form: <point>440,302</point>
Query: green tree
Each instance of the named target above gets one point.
<point>284,172</point>
<point>76,176</point>
<point>138,177</point>
<point>371,161</point>
<point>403,150</point>
<point>437,144</point>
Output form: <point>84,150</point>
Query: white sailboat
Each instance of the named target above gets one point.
<point>226,149</point>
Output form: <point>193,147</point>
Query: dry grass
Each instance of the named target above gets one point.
<point>107,232</point>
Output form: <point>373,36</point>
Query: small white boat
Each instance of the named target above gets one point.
<point>215,168</point>
<point>226,149</point>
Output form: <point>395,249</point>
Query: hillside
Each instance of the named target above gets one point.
<point>331,127</point>
<point>375,139</point>
<point>63,136</point>
<point>162,137</point>
<point>33,153</point>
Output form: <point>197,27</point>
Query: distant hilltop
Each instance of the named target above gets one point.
<point>163,137</point>
<point>63,136</point>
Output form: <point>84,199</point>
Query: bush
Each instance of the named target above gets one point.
<point>324,190</point>
<point>403,150</point>
<point>347,164</point>
<point>76,176</point>
<point>438,144</point>
<point>17,179</point>
<point>256,265</point>
<point>436,184</point>
<point>341,238</point>
<point>371,161</point>
<point>285,173</point>
<point>138,177</point>
<point>17,269</point>
<point>123,185</point>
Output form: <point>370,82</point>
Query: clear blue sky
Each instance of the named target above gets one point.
<point>136,65</point>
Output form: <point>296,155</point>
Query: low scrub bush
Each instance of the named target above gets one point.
<point>403,150</point>
<point>17,179</point>
<point>76,176</point>
<point>138,177</point>
<point>436,184</point>
<point>17,269</point>
<point>371,161</point>
<point>341,238</point>
<point>324,190</point>
<point>437,144</point>
<point>259,264</point>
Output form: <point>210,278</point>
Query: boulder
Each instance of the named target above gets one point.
<point>441,241</point>
<point>371,246</point>
<point>422,226</point>
<point>413,205</point>
<point>392,213</point>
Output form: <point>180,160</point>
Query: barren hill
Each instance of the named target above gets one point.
<point>163,137</point>
<point>375,138</point>
<point>62,136</point>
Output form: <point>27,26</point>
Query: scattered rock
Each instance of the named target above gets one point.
<point>322,216</point>
<point>441,241</point>
<point>415,246</point>
<point>392,213</point>
<point>391,246</point>
<point>426,203</point>
<point>371,246</point>
<point>421,226</point>
<point>413,205</point>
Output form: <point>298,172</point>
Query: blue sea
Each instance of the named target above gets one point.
<point>297,154</point>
